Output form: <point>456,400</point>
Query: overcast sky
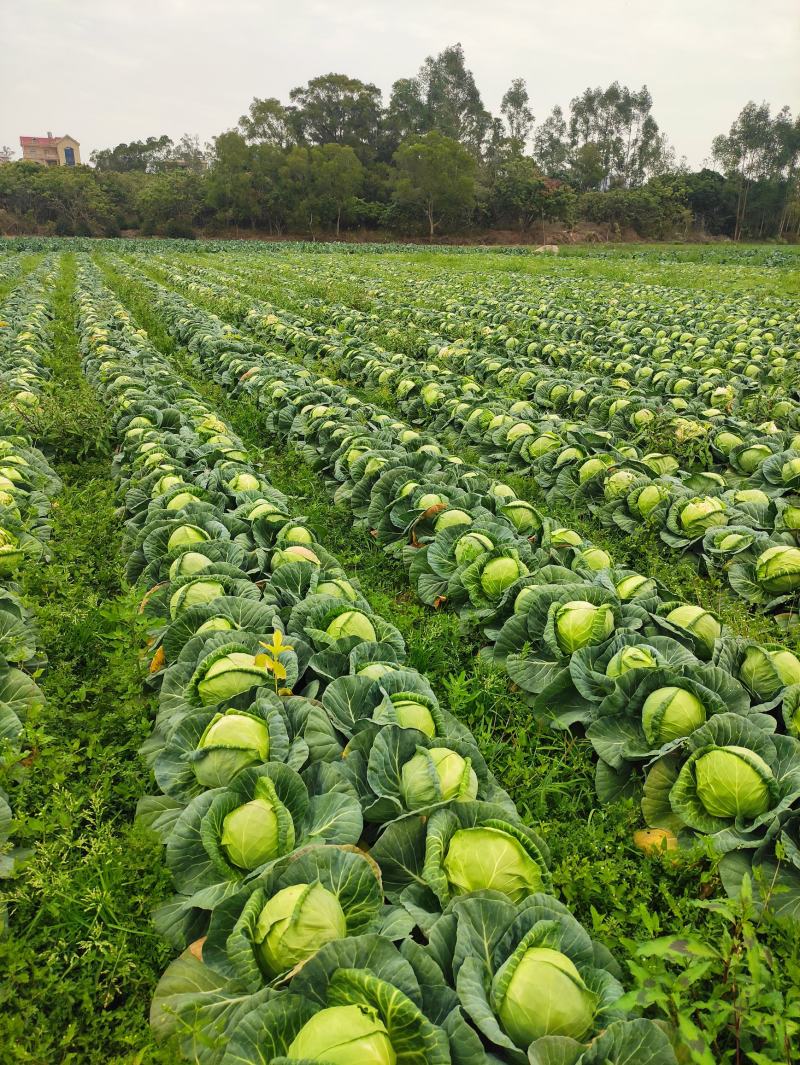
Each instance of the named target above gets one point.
<point>106,71</point>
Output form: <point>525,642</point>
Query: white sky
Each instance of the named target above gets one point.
<point>106,71</point>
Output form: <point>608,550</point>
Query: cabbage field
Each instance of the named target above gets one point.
<point>400,654</point>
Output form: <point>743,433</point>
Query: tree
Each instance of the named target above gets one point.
<point>436,174</point>
<point>68,201</point>
<point>745,153</point>
<point>150,156</point>
<point>337,109</point>
<point>231,189</point>
<point>787,135</point>
<point>171,203</point>
<point>442,97</point>
<point>587,168</point>
<point>187,154</point>
<point>520,191</point>
<point>453,105</point>
<point>618,122</point>
<point>518,115</point>
<point>266,122</point>
<point>405,116</point>
<point>550,145</point>
<point>523,193</point>
<point>712,201</point>
<point>6,154</point>
<point>270,188</point>
<point>336,178</point>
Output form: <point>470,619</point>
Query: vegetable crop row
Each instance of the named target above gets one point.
<point>27,485</point>
<point>318,805</point>
<point>745,531</point>
<point>657,684</point>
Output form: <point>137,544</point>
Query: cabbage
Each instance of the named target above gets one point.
<point>733,782</point>
<point>251,834</point>
<point>451,518</point>
<point>295,923</point>
<point>294,553</point>
<point>194,593</point>
<point>188,564</point>
<point>628,658</point>
<point>581,624</point>
<point>544,996</point>
<point>701,514</point>
<point>669,713</point>
<point>437,775</point>
<point>185,535</point>
<point>229,676</point>
<point>413,714</point>
<point>767,670</point>
<point>471,546</point>
<point>352,623</point>
<point>490,859</point>
<point>231,742</point>
<point>702,625</point>
<point>499,574</point>
<point>344,1035</point>
<point>778,569</point>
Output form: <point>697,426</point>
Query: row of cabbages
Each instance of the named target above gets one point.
<point>657,684</point>
<point>322,813</point>
<point>617,334</point>
<point>10,266</point>
<point>566,365</point>
<point>27,484</point>
<point>744,527</point>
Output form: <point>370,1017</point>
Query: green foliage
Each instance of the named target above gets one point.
<point>436,174</point>
<point>80,957</point>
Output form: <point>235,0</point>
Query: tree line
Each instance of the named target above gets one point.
<point>432,159</point>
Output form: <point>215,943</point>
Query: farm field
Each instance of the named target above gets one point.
<point>401,654</point>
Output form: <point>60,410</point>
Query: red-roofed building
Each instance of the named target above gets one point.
<point>51,151</point>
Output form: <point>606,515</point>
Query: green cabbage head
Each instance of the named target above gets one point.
<point>499,574</point>
<point>437,775</point>
<point>703,626</point>
<point>635,584</point>
<point>251,833</point>
<point>187,564</point>
<point>778,569</point>
<point>229,676</point>
<point>593,558</point>
<point>231,742</point>
<point>450,518</point>
<point>581,624</point>
<point>295,923</point>
<point>669,713</point>
<point>767,670</point>
<point>11,554</point>
<point>490,859</point>
<point>522,516</point>
<point>545,996</point>
<point>733,782</point>
<point>344,1035</point>
<point>628,658</point>
<point>352,623</point>
<point>413,714</point>
<point>185,535</point>
<point>649,498</point>
<point>471,546</point>
<point>194,593</point>
<point>702,513</point>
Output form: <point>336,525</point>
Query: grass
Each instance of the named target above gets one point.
<point>81,959</point>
